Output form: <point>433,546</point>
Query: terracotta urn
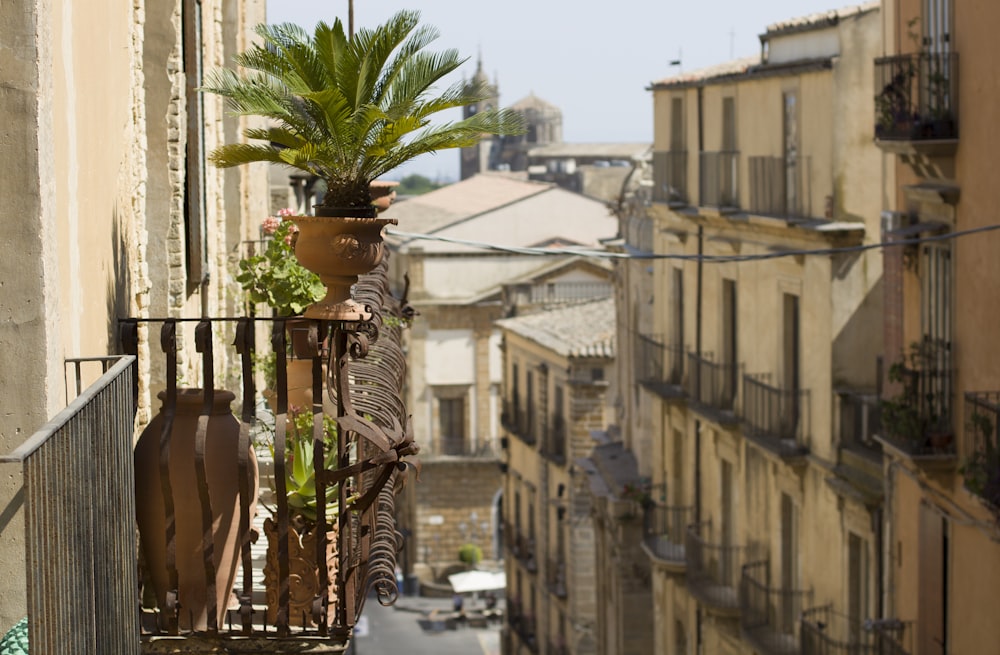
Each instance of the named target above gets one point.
<point>338,249</point>
<point>222,473</point>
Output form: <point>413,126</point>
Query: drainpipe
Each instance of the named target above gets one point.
<point>697,347</point>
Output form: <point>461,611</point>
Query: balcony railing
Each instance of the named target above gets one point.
<point>776,186</point>
<point>664,530</point>
<point>520,295</point>
<point>981,446</point>
<point>524,550</point>
<point>659,367</point>
<point>916,415</point>
<point>670,176</point>
<point>555,446</point>
<point>712,385</point>
<point>916,97</point>
<point>776,418</point>
<point>769,615</point>
<point>522,624</point>
<point>77,483</point>
<point>719,179</point>
<point>555,576</point>
<point>518,421</point>
<point>714,567</point>
<point>826,632</point>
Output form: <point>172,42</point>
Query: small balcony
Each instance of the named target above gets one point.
<point>524,550</point>
<point>916,103</point>
<point>670,177</point>
<point>714,568</point>
<point>518,421</point>
<point>555,576</point>
<point>522,624</point>
<point>664,530</point>
<point>776,418</point>
<point>712,387</point>
<point>776,187</point>
<point>719,179</point>
<point>981,447</point>
<point>769,615</point>
<point>826,632</point>
<point>659,367</point>
<point>555,441</point>
<point>916,414</point>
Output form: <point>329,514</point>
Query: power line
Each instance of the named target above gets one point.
<point>604,254</point>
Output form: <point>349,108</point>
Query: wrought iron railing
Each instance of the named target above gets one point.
<point>658,366</point>
<point>76,485</point>
<point>776,418</point>
<point>719,184</point>
<point>981,445</point>
<point>916,96</point>
<point>824,631</point>
<point>524,550</point>
<point>714,566</point>
<point>351,478</point>
<point>518,421</point>
<point>712,385</point>
<point>523,625</point>
<point>555,445</point>
<point>664,530</point>
<point>916,412</point>
<point>769,615</point>
<point>555,576</point>
<point>670,176</point>
<point>776,187</point>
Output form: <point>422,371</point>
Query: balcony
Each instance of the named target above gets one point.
<point>916,103</point>
<point>714,568</point>
<point>659,367</point>
<point>719,179</point>
<point>776,187</point>
<point>518,421</point>
<point>555,576</point>
<point>769,616</point>
<point>916,419</point>
<point>826,632</point>
<point>522,624</point>
<point>555,442</point>
<point>524,550</point>
<point>554,293</point>
<point>775,418</point>
<point>981,447</point>
<point>711,388</point>
<point>670,176</point>
<point>664,530</point>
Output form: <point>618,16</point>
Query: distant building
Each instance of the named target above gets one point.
<point>455,361</point>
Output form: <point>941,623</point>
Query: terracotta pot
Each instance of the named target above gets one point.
<point>222,474</point>
<point>303,580</point>
<point>338,250</point>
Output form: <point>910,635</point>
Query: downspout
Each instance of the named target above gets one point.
<point>697,347</point>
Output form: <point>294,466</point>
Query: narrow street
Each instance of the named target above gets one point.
<point>398,630</point>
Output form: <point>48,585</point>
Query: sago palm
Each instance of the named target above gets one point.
<point>349,109</point>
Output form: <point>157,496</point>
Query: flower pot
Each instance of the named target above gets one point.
<point>303,574</point>
<point>338,249</point>
<point>223,481</point>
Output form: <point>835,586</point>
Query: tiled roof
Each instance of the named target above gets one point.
<point>725,69</point>
<point>818,20</point>
<point>531,101</point>
<point>584,330</point>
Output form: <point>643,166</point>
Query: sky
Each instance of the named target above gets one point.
<point>595,62</point>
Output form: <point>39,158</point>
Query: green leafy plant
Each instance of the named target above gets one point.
<point>981,469</point>
<point>300,473</point>
<point>470,554</point>
<point>350,108</point>
<point>275,276</point>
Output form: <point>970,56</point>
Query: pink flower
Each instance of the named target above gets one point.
<point>270,224</point>
<point>287,211</point>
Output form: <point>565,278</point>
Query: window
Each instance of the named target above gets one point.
<point>451,421</point>
<point>729,344</point>
<point>677,124</point>
<point>728,124</point>
<point>791,380</point>
<point>857,584</point>
<point>789,560</point>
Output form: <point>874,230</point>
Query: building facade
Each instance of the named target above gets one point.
<point>118,213</point>
<point>559,380</point>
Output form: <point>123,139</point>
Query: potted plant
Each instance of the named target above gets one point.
<point>348,109</point>
<point>301,498</point>
<point>917,415</point>
<point>981,469</point>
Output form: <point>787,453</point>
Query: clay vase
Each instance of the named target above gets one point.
<point>303,575</point>
<point>222,475</point>
<point>338,249</point>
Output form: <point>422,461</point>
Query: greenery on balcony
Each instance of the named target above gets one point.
<point>916,97</point>
<point>917,418</point>
<point>981,448</point>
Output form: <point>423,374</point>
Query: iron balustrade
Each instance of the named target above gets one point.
<point>524,550</point>
<point>555,446</point>
<point>824,631</point>
<point>658,366</point>
<point>776,418</point>
<point>518,421</point>
<point>714,567</point>
<point>916,96</point>
<point>519,295</point>
<point>981,445</point>
<point>76,486</point>
<point>361,391</point>
<point>670,176</point>
<point>918,419</point>
<point>776,187</point>
<point>712,385</point>
<point>555,576</point>
<point>664,530</point>
<point>719,179</point>
<point>770,615</point>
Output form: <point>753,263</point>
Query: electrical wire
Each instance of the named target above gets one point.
<point>603,254</point>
